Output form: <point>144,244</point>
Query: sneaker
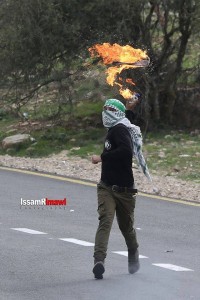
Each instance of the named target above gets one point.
<point>98,270</point>
<point>133,261</point>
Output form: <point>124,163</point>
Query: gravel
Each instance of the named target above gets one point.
<point>76,167</point>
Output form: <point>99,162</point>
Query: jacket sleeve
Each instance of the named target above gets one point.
<point>123,143</point>
<point>131,116</point>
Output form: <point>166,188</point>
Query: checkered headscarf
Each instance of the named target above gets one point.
<point>136,137</point>
<point>114,111</point>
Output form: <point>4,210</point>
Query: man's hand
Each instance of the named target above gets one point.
<point>130,104</point>
<point>96,159</point>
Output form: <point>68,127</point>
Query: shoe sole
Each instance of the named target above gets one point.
<point>98,270</point>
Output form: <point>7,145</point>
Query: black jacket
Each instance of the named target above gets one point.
<point>117,157</point>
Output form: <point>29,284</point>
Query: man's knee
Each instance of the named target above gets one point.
<point>106,220</point>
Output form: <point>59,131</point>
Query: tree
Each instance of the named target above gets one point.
<point>171,23</point>
<point>39,40</point>
<point>164,29</point>
<point>42,40</point>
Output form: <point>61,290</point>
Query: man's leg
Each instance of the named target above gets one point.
<point>106,210</point>
<point>125,218</point>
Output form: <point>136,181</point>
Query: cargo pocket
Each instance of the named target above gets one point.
<point>101,208</point>
<point>133,201</point>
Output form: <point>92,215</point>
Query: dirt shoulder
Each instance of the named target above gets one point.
<point>76,167</point>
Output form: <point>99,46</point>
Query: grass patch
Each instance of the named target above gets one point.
<point>174,154</point>
<point>7,125</point>
<point>86,109</point>
<point>53,140</point>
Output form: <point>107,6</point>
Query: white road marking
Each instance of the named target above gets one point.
<point>78,242</point>
<point>172,267</point>
<point>88,244</point>
<point>27,230</point>
<point>138,228</point>
<point>125,253</point>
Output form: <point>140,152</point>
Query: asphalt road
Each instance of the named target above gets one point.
<point>38,261</point>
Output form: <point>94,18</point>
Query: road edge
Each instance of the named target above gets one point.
<point>93,184</point>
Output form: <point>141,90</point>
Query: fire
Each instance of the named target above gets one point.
<point>126,93</point>
<point>120,58</point>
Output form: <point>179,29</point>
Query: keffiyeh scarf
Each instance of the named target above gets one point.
<point>136,137</point>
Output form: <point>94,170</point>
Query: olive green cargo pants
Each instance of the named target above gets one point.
<point>110,202</point>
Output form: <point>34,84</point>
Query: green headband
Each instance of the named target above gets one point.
<point>116,103</point>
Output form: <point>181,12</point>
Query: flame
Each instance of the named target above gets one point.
<point>129,80</point>
<point>120,58</point>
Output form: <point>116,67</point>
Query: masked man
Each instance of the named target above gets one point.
<point>116,191</point>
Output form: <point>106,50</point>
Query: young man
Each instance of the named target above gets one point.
<point>116,191</point>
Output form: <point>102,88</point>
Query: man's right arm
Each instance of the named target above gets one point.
<point>131,116</point>
<point>96,159</point>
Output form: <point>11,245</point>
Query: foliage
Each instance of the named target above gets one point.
<point>45,41</point>
<point>38,45</point>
